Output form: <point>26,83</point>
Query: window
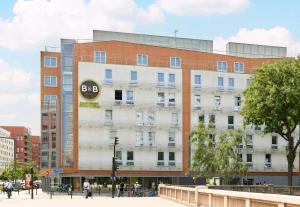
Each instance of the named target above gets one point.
<point>197,100</point>
<point>175,62</point>
<point>201,118</point>
<point>118,95</point>
<point>268,161</point>
<point>249,141</point>
<point>172,158</point>
<point>119,156</point>
<point>50,99</point>
<point>151,138</point>
<point>174,118</point>
<point>274,142</point>
<point>160,78</point>
<point>212,121</point>
<point>50,62</point>
<point>217,102</point>
<point>197,81</point>
<point>220,83</point>
<point>171,99</point>
<point>142,59</point>
<point>133,76</point>
<point>171,138</point>
<point>129,97</point>
<point>248,81</point>
<point>249,158</point>
<point>108,115</point>
<point>161,98</point>
<point>50,81</point>
<point>100,57</point>
<point>237,102</point>
<point>150,118</point>
<point>139,138</point>
<point>222,66</point>
<point>230,122</point>
<point>239,67</point>
<point>172,80</point>
<point>230,83</point>
<point>130,158</point>
<point>108,75</point>
<point>67,82</point>
<point>139,118</point>
<point>160,156</point>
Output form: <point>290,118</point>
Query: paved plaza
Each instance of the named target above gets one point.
<point>43,200</point>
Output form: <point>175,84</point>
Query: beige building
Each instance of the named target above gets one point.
<point>6,150</point>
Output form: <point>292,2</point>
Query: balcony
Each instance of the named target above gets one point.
<point>196,87</point>
<point>133,83</point>
<point>230,126</point>
<point>160,163</point>
<point>108,122</point>
<point>160,84</point>
<point>108,81</point>
<point>171,144</point>
<point>140,123</point>
<point>197,106</point>
<point>130,102</point>
<point>268,165</point>
<point>171,85</point>
<point>249,164</point>
<point>220,88</point>
<point>171,163</point>
<point>236,108</point>
<point>130,163</point>
<point>249,146</point>
<point>230,88</point>
<point>217,107</point>
<point>160,104</point>
<point>274,147</point>
<point>171,104</point>
<point>118,102</point>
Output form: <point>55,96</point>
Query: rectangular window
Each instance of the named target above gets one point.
<point>175,62</point>
<point>50,62</point>
<point>108,115</point>
<point>151,138</point>
<point>139,139</point>
<point>201,118</point>
<point>160,78</point>
<point>230,83</point>
<point>268,161</point>
<point>142,59</point>
<point>50,81</point>
<point>133,76</point>
<point>129,97</point>
<point>161,98</point>
<point>119,156</point>
<point>212,121</point>
<point>197,80</point>
<point>174,118</point>
<point>222,66</point>
<point>118,95</point>
<point>100,57</point>
<point>220,83</point>
<point>230,122</point>
<point>150,118</point>
<point>108,76</point>
<point>172,156</point>
<point>217,103</point>
<point>171,138</point>
<point>130,155</point>
<point>50,99</point>
<point>249,141</point>
<point>139,118</point>
<point>274,142</point>
<point>239,67</point>
<point>249,158</point>
<point>172,80</point>
<point>197,100</point>
<point>237,102</point>
<point>160,156</point>
<point>171,99</point>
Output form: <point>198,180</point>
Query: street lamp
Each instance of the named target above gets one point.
<point>15,151</point>
<point>114,168</point>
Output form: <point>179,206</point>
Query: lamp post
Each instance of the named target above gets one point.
<point>114,168</point>
<point>15,151</point>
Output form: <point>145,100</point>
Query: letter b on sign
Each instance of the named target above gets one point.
<point>89,89</point>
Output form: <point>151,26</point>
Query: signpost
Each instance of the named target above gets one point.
<point>57,170</point>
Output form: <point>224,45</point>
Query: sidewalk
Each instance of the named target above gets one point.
<point>43,200</point>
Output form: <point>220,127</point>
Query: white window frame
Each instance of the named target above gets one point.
<point>143,57</point>
<point>221,69</point>
<point>52,99</point>
<point>131,80</point>
<point>237,66</point>
<point>197,100</point>
<point>172,99</point>
<point>111,115</point>
<point>197,85</point>
<point>220,86</point>
<point>172,84</point>
<point>100,57</point>
<point>139,138</point>
<point>231,86</point>
<point>51,58</point>
<point>50,85</point>
<point>177,62</point>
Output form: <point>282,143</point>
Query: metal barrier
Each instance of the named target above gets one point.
<point>200,196</point>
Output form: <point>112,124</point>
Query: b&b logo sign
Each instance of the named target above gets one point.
<point>89,89</point>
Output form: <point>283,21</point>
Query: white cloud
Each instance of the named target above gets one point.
<point>36,22</point>
<point>201,7</point>
<point>276,36</point>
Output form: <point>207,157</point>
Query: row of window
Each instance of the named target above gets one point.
<point>220,82</point>
<point>160,157</point>
<point>212,120</point>
<point>249,160</point>
<point>142,59</point>
<point>217,102</point>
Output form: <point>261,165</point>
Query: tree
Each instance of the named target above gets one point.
<point>220,157</point>
<point>273,99</point>
<point>21,171</point>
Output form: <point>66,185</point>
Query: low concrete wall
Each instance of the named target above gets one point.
<point>200,196</point>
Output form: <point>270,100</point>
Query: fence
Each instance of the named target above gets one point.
<point>200,196</point>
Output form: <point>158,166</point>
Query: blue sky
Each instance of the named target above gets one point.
<point>26,26</point>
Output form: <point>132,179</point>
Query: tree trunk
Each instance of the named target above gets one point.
<point>290,171</point>
<point>290,158</point>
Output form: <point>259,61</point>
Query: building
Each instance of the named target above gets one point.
<point>6,150</point>
<point>24,144</point>
<point>36,141</point>
<point>150,91</point>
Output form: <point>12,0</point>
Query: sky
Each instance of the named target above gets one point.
<point>27,26</point>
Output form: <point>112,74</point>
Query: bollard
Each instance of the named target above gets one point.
<point>99,189</point>
<point>36,191</point>
<point>50,194</point>
<point>18,191</point>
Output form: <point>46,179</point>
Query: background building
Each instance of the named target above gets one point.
<point>24,143</point>
<point>150,91</point>
<point>6,150</point>
<point>36,141</point>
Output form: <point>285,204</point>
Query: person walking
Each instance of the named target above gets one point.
<point>87,189</point>
<point>8,188</point>
<point>121,189</point>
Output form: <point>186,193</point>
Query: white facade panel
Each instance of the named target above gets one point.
<point>6,150</point>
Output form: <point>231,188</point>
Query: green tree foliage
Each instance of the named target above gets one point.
<point>273,99</point>
<point>215,153</point>
<point>21,171</point>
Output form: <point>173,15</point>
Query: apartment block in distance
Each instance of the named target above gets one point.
<point>24,144</point>
<point>150,92</point>
<point>6,150</point>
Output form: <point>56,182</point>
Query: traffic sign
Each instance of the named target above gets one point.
<point>57,170</point>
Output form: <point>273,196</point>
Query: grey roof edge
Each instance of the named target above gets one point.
<point>255,44</point>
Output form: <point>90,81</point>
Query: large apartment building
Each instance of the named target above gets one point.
<point>150,92</point>
<point>6,150</point>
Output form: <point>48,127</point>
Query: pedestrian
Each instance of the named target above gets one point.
<point>153,189</point>
<point>8,188</point>
<point>87,189</point>
<point>121,189</point>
